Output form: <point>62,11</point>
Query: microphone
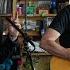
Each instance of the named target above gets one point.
<point>25,36</point>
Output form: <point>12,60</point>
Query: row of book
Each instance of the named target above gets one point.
<point>32,8</point>
<point>6,7</point>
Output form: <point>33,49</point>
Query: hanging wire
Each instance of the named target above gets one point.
<point>25,16</point>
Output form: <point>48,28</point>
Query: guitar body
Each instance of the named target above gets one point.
<point>59,64</point>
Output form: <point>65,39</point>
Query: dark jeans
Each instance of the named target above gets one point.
<point>6,65</point>
<point>15,65</point>
<point>9,64</point>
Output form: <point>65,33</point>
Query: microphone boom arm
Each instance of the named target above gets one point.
<point>25,36</point>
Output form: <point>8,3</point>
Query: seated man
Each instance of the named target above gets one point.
<point>9,47</point>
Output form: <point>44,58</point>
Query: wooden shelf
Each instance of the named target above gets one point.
<point>40,54</point>
<point>33,33</point>
<point>4,15</point>
<point>37,17</point>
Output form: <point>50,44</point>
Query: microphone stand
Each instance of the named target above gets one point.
<point>26,40</point>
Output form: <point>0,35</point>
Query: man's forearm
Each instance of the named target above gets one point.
<point>55,49</point>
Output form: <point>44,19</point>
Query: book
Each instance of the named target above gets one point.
<point>6,7</point>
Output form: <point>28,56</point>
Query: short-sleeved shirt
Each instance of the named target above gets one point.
<point>61,23</point>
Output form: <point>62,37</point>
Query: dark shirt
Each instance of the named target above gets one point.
<point>8,48</point>
<point>61,23</point>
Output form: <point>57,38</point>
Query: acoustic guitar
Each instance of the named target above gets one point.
<point>59,64</point>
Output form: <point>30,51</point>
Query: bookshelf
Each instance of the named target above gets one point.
<point>36,16</point>
<point>33,16</point>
